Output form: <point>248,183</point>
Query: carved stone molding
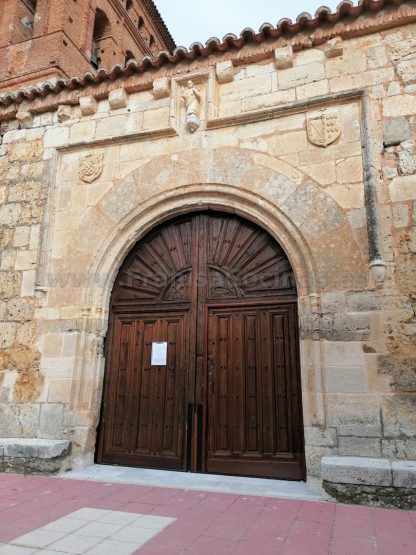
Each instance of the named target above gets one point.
<point>25,119</point>
<point>225,72</point>
<point>161,87</point>
<point>283,57</point>
<point>118,98</point>
<point>88,105</point>
<point>63,113</point>
<point>334,48</point>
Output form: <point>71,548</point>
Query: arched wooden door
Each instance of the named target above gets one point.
<point>202,353</point>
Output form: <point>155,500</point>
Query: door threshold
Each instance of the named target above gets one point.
<point>264,487</point>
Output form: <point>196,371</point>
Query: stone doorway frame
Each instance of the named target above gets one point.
<point>142,199</point>
<point>89,354</point>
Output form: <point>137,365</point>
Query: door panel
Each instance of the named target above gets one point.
<point>243,261</point>
<point>252,428</point>
<point>146,426</point>
<point>221,292</point>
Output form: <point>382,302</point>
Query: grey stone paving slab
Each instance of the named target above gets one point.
<point>200,482</point>
<point>38,538</point>
<point>75,544</point>
<point>109,547</point>
<point>16,550</point>
<point>102,532</point>
<point>97,529</point>
<point>65,525</point>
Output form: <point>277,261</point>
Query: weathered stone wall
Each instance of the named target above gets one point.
<point>254,154</point>
<point>23,193</point>
<point>398,364</point>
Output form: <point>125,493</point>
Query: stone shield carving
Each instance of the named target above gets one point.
<point>324,128</point>
<point>90,167</point>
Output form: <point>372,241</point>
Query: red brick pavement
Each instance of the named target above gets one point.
<point>213,523</point>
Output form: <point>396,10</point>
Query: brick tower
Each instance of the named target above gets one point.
<point>45,39</point>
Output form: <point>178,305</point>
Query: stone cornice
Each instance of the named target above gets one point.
<point>349,21</point>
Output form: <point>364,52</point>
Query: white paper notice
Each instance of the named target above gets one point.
<point>159,354</point>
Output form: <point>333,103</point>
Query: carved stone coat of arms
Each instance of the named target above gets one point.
<point>324,128</point>
<point>90,167</point>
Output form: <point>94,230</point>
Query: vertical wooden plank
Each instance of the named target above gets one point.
<point>253,377</point>
<point>120,436</point>
<point>281,401</point>
<point>260,383</point>
<point>239,384</point>
<point>221,380</point>
<point>229,401</point>
<point>171,397</point>
<point>267,385</point>
<point>145,414</point>
<point>157,380</point>
<point>135,385</point>
<point>212,373</point>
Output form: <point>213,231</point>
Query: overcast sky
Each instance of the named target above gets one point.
<point>195,21</point>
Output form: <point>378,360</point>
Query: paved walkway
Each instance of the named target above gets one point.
<point>55,515</point>
<point>199,482</point>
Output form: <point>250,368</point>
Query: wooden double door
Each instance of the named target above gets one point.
<point>202,353</point>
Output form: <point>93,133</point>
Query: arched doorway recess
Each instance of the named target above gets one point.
<point>202,354</point>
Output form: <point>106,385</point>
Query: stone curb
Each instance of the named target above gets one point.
<point>369,472</point>
<point>33,448</point>
<point>404,474</point>
<point>357,470</point>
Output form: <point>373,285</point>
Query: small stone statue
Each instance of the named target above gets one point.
<point>192,99</point>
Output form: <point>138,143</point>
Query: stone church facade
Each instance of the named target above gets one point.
<point>304,132</point>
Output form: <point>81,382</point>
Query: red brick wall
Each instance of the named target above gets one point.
<point>60,43</point>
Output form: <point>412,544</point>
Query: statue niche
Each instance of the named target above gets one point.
<point>192,100</point>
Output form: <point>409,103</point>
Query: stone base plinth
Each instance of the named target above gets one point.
<point>34,456</point>
<point>370,481</point>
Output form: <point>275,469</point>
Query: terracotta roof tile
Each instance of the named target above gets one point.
<point>284,29</point>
